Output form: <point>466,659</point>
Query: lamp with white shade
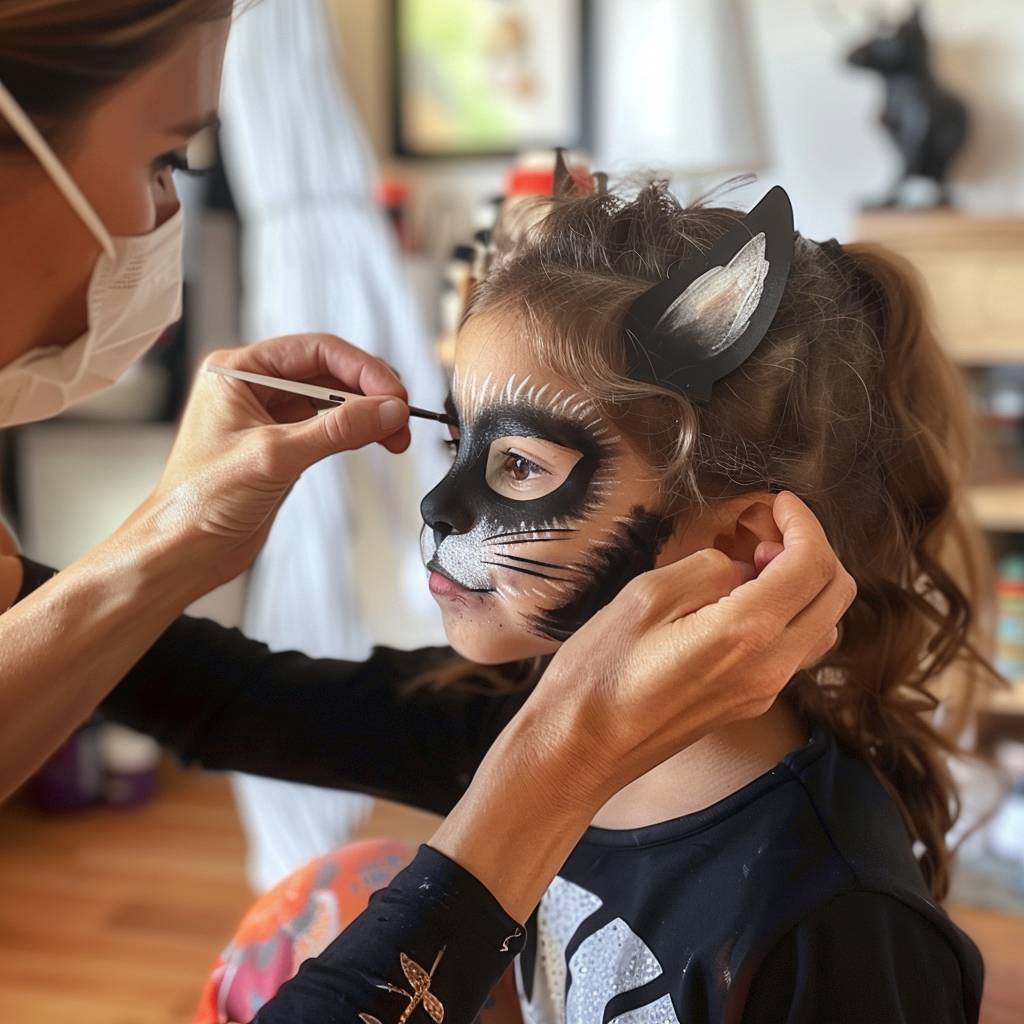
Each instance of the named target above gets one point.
<point>676,88</point>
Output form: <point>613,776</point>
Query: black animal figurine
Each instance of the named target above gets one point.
<point>927,122</point>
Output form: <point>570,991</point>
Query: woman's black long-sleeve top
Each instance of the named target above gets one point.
<point>223,701</point>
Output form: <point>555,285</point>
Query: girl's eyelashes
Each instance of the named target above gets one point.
<point>516,467</point>
<point>519,468</point>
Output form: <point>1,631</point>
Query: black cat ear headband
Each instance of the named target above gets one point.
<point>713,310</point>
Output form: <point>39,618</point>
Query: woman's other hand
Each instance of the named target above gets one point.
<point>681,651</point>
<point>241,447</point>
<point>692,646</point>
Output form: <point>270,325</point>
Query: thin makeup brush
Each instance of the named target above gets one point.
<point>329,395</point>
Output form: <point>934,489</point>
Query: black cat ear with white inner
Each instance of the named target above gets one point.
<point>713,310</point>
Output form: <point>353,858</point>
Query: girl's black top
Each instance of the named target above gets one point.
<point>796,899</point>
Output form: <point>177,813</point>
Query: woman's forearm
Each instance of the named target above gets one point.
<point>527,807</point>
<point>66,645</point>
<point>453,915</point>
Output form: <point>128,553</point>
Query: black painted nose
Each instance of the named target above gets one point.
<point>445,509</point>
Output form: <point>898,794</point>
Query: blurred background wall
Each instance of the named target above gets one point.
<point>819,116</point>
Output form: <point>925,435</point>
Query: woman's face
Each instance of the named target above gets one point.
<point>143,129</point>
<point>546,512</point>
<point>120,156</point>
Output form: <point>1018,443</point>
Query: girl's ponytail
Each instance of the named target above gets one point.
<point>920,579</point>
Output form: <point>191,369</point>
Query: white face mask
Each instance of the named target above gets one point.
<point>134,296</point>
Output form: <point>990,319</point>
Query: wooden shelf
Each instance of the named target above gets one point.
<point>972,267</point>
<point>999,507</point>
<point>1005,351</point>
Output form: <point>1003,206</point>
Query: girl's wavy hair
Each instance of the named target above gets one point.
<point>849,402</point>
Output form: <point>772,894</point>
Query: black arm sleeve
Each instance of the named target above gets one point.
<point>864,956</point>
<point>225,702</point>
<point>435,927</point>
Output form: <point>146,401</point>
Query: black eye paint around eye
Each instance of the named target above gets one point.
<point>566,500</point>
<point>475,527</point>
<point>532,423</point>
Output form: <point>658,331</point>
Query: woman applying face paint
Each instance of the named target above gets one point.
<point>99,104</point>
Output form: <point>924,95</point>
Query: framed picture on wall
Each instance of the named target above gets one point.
<point>476,78</point>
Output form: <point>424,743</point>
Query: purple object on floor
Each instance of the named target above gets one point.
<point>71,778</point>
<point>126,789</point>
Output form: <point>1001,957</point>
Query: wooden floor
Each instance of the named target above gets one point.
<point>112,917</point>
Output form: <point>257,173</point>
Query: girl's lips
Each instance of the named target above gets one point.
<point>441,586</point>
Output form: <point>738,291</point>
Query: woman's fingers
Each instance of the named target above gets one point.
<point>359,422</point>
<point>325,360</point>
<point>808,637</point>
<point>754,638</point>
<point>679,588</point>
<point>307,357</point>
<point>795,576</point>
<point>284,407</point>
<point>241,447</point>
<point>824,647</point>
<point>693,646</point>
<point>752,614</point>
<point>813,633</point>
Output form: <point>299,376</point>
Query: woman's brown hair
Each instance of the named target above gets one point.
<point>58,57</point>
<point>849,402</point>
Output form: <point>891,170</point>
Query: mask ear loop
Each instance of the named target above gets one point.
<point>50,162</point>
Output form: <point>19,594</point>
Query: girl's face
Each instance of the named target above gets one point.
<point>546,512</point>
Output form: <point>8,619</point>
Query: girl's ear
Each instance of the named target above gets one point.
<point>749,522</point>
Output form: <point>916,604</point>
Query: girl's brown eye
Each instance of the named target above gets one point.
<point>517,466</point>
<point>514,475</point>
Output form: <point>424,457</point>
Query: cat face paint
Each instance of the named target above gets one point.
<point>502,492</point>
<point>530,533</point>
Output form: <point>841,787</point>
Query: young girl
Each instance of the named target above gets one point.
<point>635,381</point>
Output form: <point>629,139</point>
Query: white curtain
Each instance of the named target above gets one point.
<point>319,256</point>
